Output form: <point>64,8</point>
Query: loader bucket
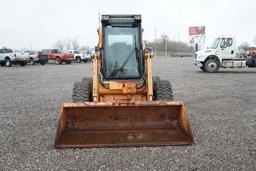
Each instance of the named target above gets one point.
<point>105,125</point>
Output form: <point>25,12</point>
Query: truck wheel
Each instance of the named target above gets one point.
<point>2,63</point>
<point>58,61</point>
<point>251,63</point>
<point>67,62</point>
<point>162,89</point>
<point>31,61</point>
<point>78,59</point>
<point>42,62</point>
<point>8,62</point>
<point>23,63</point>
<point>211,65</point>
<point>82,91</point>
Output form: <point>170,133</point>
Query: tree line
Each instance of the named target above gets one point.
<point>164,44</point>
<point>68,43</point>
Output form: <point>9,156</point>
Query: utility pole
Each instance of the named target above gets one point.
<point>179,44</point>
<point>166,42</point>
<point>155,42</point>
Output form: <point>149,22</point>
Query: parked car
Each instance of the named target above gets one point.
<point>8,57</point>
<point>37,57</point>
<point>79,56</point>
<point>57,56</point>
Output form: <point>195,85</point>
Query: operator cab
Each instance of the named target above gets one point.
<point>121,47</point>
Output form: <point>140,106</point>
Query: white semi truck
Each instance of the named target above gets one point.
<point>225,54</point>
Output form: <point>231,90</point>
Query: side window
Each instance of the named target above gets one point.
<point>1,51</point>
<point>226,42</point>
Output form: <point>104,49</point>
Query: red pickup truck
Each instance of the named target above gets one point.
<point>57,56</point>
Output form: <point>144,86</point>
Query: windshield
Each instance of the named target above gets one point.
<point>215,43</point>
<point>120,46</point>
<point>55,51</point>
<point>6,51</point>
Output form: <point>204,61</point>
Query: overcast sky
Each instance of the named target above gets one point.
<point>41,23</point>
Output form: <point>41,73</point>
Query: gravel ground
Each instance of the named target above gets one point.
<point>221,108</point>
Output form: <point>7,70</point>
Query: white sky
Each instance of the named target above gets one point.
<point>40,23</point>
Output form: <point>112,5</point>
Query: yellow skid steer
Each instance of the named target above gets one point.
<point>123,104</point>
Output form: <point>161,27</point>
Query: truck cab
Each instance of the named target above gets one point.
<point>58,56</point>
<point>222,53</point>
<point>8,57</point>
<point>79,56</point>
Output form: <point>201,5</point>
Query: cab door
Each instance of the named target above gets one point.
<point>227,48</point>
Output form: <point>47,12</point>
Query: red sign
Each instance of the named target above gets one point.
<point>197,30</point>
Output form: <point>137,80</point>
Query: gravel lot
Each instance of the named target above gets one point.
<point>221,108</point>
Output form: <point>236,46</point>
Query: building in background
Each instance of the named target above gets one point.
<point>197,37</point>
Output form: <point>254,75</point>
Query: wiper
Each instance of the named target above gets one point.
<point>116,71</point>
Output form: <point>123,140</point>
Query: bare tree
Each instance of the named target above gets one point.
<point>68,44</point>
<point>60,44</point>
<point>84,48</point>
<point>244,46</point>
<point>75,44</point>
<point>164,38</point>
<point>165,44</point>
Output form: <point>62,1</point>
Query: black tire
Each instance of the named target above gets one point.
<point>31,61</point>
<point>251,63</point>
<point>2,63</point>
<point>82,91</point>
<point>42,62</point>
<point>78,59</point>
<point>67,62</point>
<point>58,61</point>
<point>202,68</point>
<point>162,89</point>
<point>211,65</point>
<point>8,62</point>
<point>23,63</point>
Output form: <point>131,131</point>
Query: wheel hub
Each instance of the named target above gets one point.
<point>212,66</point>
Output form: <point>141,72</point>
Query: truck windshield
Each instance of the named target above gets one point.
<point>6,50</point>
<point>55,51</point>
<point>215,43</point>
<point>121,52</point>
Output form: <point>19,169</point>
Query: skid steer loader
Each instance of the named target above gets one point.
<point>122,105</point>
